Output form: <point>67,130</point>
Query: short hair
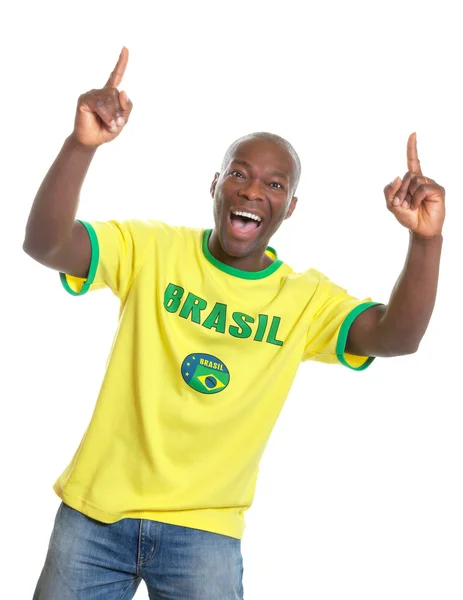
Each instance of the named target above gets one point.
<point>271,137</point>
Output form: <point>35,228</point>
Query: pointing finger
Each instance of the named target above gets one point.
<point>116,76</point>
<point>412,155</point>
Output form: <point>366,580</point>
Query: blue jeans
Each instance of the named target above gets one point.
<point>89,560</point>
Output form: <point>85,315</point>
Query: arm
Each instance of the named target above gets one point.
<point>418,204</point>
<point>53,236</point>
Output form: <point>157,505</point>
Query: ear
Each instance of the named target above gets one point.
<point>292,206</point>
<point>214,183</point>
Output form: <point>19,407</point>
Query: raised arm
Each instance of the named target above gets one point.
<point>53,236</point>
<point>417,202</point>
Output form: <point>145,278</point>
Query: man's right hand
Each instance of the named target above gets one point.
<point>53,236</point>
<point>102,114</point>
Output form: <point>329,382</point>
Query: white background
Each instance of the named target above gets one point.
<point>360,492</point>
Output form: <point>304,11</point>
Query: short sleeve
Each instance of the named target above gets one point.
<point>118,250</point>
<point>334,311</point>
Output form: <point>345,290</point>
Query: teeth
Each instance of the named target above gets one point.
<point>240,213</point>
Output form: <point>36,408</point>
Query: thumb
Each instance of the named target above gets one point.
<point>126,105</point>
<point>391,190</point>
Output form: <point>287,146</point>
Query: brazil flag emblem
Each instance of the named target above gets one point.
<point>205,373</point>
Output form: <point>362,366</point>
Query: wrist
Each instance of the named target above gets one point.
<point>73,143</point>
<point>426,239</point>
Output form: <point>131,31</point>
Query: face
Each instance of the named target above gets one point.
<point>253,196</point>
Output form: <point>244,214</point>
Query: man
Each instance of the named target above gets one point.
<point>212,329</point>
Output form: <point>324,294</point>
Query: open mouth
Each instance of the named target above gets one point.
<point>244,222</point>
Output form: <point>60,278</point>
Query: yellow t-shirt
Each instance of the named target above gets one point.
<point>202,362</point>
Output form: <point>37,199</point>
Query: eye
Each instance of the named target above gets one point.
<point>236,174</point>
<point>276,185</point>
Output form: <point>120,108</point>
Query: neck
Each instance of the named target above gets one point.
<point>257,261</point>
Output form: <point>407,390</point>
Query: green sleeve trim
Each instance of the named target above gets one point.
<point>344,332</point>
<point>93,263</point>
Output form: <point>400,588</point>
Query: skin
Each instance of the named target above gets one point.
<point>259,178</point>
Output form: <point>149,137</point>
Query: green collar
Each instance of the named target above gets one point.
<point>239,272</point>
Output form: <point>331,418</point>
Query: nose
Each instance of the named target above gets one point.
<point>252,190</point>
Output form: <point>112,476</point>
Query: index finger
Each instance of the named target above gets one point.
<point>413,161</point>
<point>116,76</point>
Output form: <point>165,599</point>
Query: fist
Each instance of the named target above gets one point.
<point>102,114</point>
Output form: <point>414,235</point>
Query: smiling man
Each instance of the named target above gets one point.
<point>213,327</point>
<point>244,223</point>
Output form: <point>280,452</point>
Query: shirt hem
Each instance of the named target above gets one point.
<point>205,519</point>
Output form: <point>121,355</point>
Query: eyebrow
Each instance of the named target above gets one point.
<point>246,164</point>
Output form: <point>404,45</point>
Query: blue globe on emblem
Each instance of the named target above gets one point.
<point>210,381</point>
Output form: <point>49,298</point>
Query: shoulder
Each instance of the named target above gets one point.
<point>174,234</point>
<point>308,277</point>
<point>148,228</point>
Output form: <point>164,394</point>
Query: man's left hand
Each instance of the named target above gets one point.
<point>416,201</point>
